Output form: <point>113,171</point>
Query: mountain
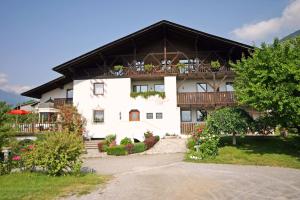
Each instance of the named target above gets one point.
<point>12,98</point>
<point>292,35</point>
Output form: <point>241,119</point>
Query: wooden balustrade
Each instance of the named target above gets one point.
<point>206,98</point>
<point>62,101</point>
<point>32,128</point>
<point>189,127</point>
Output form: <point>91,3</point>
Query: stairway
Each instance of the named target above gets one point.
<point>168,145</point>
<point>91,144</point>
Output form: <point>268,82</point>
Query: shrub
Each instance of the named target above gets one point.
<point>150,142</point>
<point>191,143</point>
<point>157,138</point>
<point>102,146</point>
<point>148,134</point>
<point>110,138</point>
<point>5,167</point>
<point>139,147</point>
<point>129,148</point>
<point>118,150</point>
<point>126,141</point>
<point>58,153</point>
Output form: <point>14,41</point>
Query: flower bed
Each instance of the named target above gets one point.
<point>127,147</point>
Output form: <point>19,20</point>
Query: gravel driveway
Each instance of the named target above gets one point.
<point>167,177</point>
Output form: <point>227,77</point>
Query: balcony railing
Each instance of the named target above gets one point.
<point>206,98</point>
<point>32,128</point>
<point>62,101</point>
<point>189,127</point>
<point>170,70</point>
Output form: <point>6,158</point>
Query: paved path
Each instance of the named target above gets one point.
<point>171,145</point>
<point>167,177</point>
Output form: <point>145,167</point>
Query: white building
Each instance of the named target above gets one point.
<point>166,62</point>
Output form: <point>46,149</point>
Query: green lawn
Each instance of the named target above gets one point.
<point>40,186</point>
<point>259,150</point>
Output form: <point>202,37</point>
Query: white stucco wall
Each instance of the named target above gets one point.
<point>191,85</point>
<point>56,93</point>
<point>116,100</point>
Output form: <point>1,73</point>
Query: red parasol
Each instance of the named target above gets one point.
<point>18,112</point>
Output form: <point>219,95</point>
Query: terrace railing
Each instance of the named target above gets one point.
<point>189,127</point>
<point>33,128</point>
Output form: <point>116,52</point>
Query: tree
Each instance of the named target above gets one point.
<point>5,129</point>
<point>71,120</point>
<point>228,121</point>
<point>268,81</point>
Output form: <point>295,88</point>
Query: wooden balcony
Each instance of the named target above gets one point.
<point>206,99</point>
<point>62,101</point>
<point>187,128</point>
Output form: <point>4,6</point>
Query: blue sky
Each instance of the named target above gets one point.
<point>38,35</point>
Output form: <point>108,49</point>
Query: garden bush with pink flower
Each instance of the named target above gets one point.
<point>202,144</point>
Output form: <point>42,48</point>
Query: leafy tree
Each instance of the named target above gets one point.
<point>6,130</point>
<point>268,81</point>
<point>71,120</point>
<point>228,121</point>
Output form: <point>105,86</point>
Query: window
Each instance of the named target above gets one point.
<point>159,115</point>
<point>229,87</point>
<point>98,116</point>
<point>201,115</point>
<point>140,88</point>
<point>204,87</point>
<point>69,94</point>
<point>98,88</point>
<point>186,116</point>
<point>134,115</point>
<point>159,88</point>
<point>149,115</point>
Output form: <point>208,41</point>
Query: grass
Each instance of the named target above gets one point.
<point>40,186</point>
<point>259,150</point>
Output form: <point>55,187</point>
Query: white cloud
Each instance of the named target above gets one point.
<point>5,86</point>
<point>265,30</point>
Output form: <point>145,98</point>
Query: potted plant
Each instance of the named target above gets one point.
<point>148,68</point>
<point>118,69</point>
<point>181,67</point>
<point>215,65</point>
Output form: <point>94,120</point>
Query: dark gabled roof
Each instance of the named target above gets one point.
<point>59,68</point>
<point>38,91</point>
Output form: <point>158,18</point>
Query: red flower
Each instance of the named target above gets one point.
<point>16,158</point>
<point>30,147</point>
<point>23,150</point>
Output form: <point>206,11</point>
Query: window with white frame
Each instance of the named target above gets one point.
<point>140,88</point>
<point>201,115</point>
<point>186,115</point>
<point>149,115</point>
<point>159,115</point>
<point>229,87</point>
<point>159,87</point>
<point>98,116</point>
<point>98,88</point>
<point>204,87</point>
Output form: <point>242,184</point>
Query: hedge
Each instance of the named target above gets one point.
<point>118,150</point>
<point>139,147</point>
